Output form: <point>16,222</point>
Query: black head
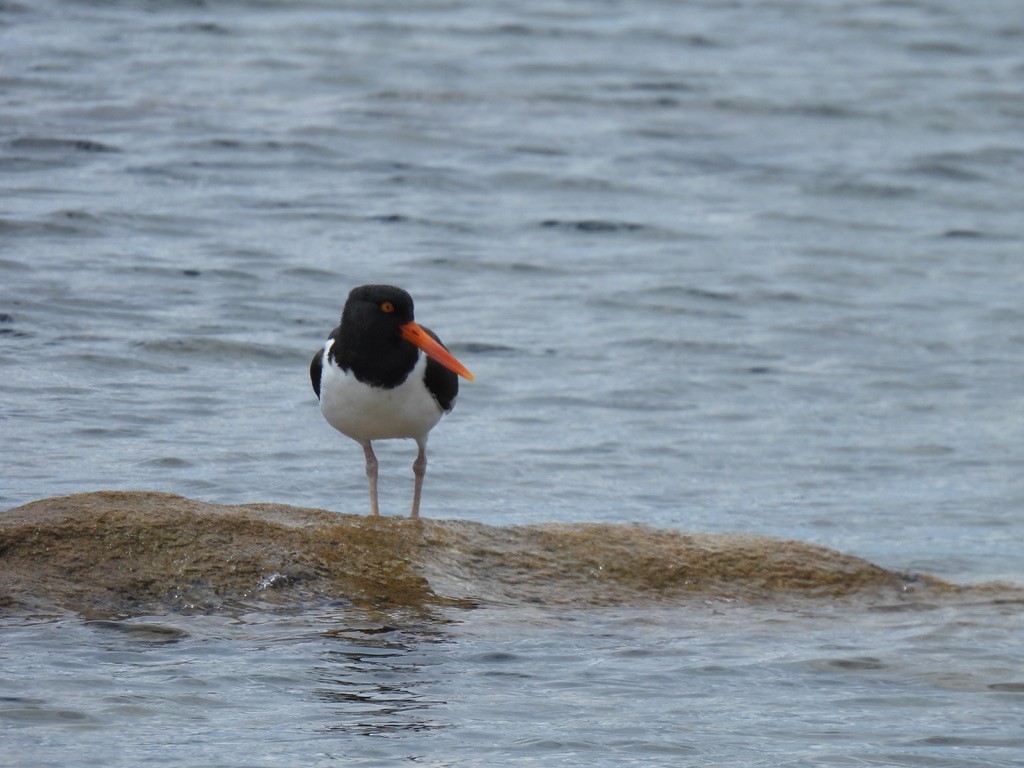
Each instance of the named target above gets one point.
<point>383,306</point>
<point>379,341</point>
<point>369,340</point>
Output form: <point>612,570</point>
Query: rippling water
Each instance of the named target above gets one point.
<point>727,686</point>
<point>716,266</point>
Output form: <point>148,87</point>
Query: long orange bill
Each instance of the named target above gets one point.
<point>414,333</point>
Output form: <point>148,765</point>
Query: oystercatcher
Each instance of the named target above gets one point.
<point>380,375</point>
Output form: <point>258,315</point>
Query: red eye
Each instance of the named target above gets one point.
<point>387,306</point>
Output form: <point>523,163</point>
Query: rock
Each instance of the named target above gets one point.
<point>117,553</point>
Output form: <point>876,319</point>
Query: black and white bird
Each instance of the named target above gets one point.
<point>380,375</point>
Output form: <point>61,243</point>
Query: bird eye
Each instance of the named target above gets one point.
<point>387,306</point>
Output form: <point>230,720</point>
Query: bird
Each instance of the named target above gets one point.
<point>380,376</point>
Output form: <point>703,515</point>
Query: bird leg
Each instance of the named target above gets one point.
<point>371,472</point>
<point>419,469</point>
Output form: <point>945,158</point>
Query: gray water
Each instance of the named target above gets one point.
<point>723,686</point>
<point>716,266</point>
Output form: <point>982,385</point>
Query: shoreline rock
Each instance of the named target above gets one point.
<point>129,553</point>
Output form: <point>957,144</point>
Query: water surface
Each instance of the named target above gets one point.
<point>716,266</point>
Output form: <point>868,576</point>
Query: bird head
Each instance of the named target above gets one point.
<point>382,315</point>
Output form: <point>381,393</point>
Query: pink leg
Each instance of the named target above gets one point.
<point>419,469</point>
<point>371,472</point>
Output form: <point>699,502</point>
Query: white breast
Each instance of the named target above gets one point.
<point>368,413</point>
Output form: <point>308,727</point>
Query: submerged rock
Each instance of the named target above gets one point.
<point>129,553</point>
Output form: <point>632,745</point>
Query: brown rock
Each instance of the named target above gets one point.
<point>129,553</point>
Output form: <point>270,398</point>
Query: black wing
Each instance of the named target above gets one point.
<point>441,383</point>
<point>316,369</point>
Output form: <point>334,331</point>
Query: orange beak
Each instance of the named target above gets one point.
<point>414,333</point>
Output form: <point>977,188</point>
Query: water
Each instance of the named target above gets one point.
<point>716,266</point>
<point>729,686</point>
